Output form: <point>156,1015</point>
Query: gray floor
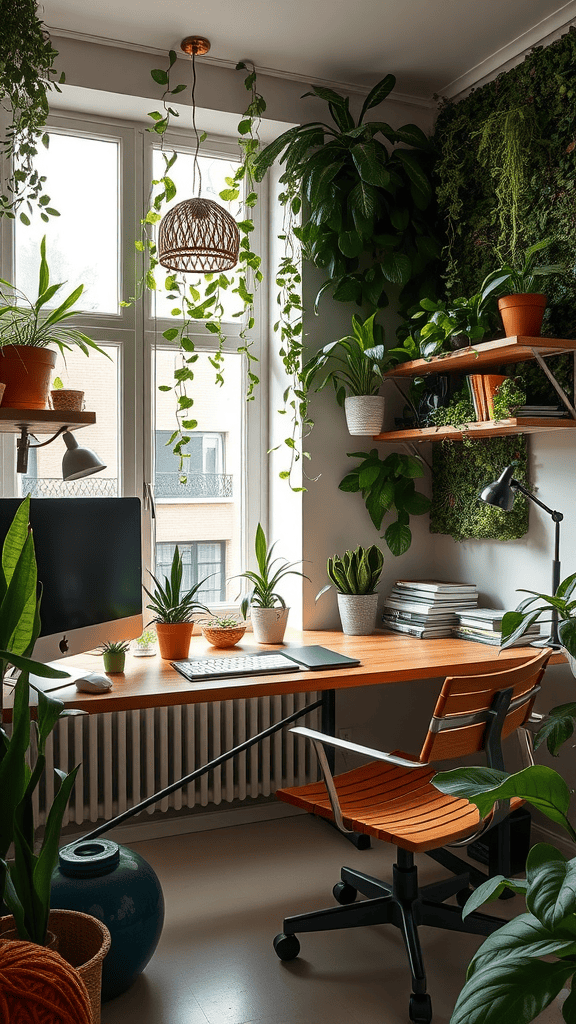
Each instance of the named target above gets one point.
<point>227,892</point>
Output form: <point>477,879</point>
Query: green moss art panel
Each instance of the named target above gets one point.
<point>460,470</point>
<point>506,178</point>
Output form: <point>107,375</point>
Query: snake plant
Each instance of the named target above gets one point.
<point>355,572</point>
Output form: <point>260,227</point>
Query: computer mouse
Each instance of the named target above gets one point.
<point>94,682</point>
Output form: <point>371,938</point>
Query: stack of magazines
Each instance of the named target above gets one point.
<point>484,626</point>
<point>427,608</point>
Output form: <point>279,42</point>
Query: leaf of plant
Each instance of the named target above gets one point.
<point>412,135</point>
<point>521,938</point>
<point>551,885</point>
<point>567,634</point>
<point>490,890</point>
<point>381,90</point>
<point>370,168</point>
<point>557,728</point>
<point>396,267</point>
<point>398,538</point>
<point>414,171</point>
<point>363,202</point>
<point>350,244</point>
<point>510,991</point>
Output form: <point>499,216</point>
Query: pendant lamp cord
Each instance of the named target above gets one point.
<point>196,165</point>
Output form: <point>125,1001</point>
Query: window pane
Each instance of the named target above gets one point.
<point>98,378</point>
<point>213,172</point>
<point>202,516</point>
<point>83,242</point>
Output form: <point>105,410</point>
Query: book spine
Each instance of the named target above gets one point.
<point>492,382</point>
<point>478,396</point>
<point>476,639</point>
<point>421,632</point>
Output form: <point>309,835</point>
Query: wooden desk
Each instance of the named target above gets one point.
<point>385,657</point>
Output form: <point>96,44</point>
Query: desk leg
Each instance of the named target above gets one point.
<point>328,722</point>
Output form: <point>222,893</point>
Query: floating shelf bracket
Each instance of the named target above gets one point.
<point>558,389</point>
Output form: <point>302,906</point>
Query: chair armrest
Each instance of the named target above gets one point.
<point>356,748</point>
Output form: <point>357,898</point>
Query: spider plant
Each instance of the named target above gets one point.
<point>265,581</point>
<point>168,603</point>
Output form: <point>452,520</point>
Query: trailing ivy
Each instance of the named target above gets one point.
<point>458,476</point>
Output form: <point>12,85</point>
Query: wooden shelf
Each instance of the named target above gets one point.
<point>42,421</point>
<point>492,428</point>
<point>484,355</point>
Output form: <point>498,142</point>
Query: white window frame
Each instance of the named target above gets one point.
<point>136,333</point>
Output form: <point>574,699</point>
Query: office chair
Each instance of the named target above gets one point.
<point>392,798</point>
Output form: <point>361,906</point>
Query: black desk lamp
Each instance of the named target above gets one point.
<point>500,494</point>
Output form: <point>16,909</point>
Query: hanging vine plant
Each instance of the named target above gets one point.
<point>27,74</point>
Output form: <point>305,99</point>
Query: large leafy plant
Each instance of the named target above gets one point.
<point>345,363</point>
<point>387,485</point>
<point>168,602</point>
<point>25,882</point>
<point>522,277</point>
<point>515,624</point>
<point>365,219</point>
<point>27,322</point>
<point>521,967</point>
<point>469,319</point>
<point>268,576</point>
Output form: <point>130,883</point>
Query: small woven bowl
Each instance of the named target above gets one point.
<point>223,636</point>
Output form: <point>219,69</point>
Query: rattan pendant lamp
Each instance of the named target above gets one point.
<point>198,235</point>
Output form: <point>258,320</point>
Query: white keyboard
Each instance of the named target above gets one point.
<point>241,665</point>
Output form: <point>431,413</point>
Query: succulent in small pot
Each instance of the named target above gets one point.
<point>27,328</point>
<point>174,611</point>
<point>223,630</point>
<point>114,655</point>
<point>145,646</point>
<point>65,398</point>
<point>522,310</point>
<point>268,609</point>
<point>356,575</point>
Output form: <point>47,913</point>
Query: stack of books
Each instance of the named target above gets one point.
<point>482,387</point>
<point>484,626</point>
<point>427,608</point>
<point>543,411</point>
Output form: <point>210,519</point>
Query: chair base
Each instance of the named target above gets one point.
<point>402,904</point>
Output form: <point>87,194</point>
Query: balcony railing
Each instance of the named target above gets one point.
<point>54,487</point>
<point>198,485</point>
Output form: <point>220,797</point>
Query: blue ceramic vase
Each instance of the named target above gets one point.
<point>120,888</point>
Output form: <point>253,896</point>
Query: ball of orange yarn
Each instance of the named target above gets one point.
<point>38,987</point>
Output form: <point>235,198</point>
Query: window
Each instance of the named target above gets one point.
<point>199,561</point>
<point>92,242</point>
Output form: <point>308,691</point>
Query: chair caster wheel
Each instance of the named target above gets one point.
<point>420,1009</point>
<point>463,896</point>
<point>286,947</point>
<point>344,893</point>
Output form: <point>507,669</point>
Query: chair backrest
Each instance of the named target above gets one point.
<point>465,708</point>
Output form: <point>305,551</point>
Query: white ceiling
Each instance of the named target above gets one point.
<point>432,46</point>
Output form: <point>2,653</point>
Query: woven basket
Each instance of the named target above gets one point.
<point>220,636</point>
<point>83,942</point>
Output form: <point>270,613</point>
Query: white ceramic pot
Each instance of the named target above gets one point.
<point>358,613</point>
<point>269,624</point>
<point>364,414</point>
<point>571,660</point>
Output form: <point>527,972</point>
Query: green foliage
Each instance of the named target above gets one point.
<point>147,639</point>
<point>557,727</point>
<point>27,75</point>
<point>23,322</point>
<point>507,978</point>
<point>351,370</point>
<point>471,319</point>
<point>265,581</point>
<point>458,412</point>
<point>223,622</point>
<point>509,396</point>
<point>25,883</point>
<point>458,476</point>
<point>367,211</point>
<point>523,278</point>
<point>515,624</point>
<point>115,647</point>
<point>168,602</point>
<point>387,485</point>
<point>355,572</point>
<point>522,126</point>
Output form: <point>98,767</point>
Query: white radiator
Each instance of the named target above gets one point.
<point>127,756</point>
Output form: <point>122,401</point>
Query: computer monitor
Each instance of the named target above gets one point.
<point>89,559</point>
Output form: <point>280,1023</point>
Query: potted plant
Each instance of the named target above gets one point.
<point>356,378</point>
<point>145,645</point>
<point>268,610</point>
<point>25,881</point>
<point>114,655</point>
<point>522,310</point>
<point>223,630</point>
<point>356,575</point>
<point>454,323</point>
<point>563,602</point>
<point>64,398</point>
<point>27,328</point>
<point>174,611</point>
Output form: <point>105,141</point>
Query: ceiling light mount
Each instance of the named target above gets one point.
<point>195,45</point>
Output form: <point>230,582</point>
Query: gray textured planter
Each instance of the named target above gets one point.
<point>358,613</point>
<point>269,624</point>
<point>364,414</point>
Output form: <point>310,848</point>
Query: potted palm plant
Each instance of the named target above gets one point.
<point>25,882</point>
<point>174,611</point>
<point>268,609</point>
<point>356,575</point>
<point>522,310</point>
<point>27,328</point>
<point>355,376</point>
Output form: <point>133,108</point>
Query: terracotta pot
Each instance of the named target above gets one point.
<point>69,401</point>
<point>522,314</point>
<point>26,371</point>
<point>269,624</point>
<point>83,942</point>
<point>174,639</point>
<point>2,390</point>
<point>364,414</point>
